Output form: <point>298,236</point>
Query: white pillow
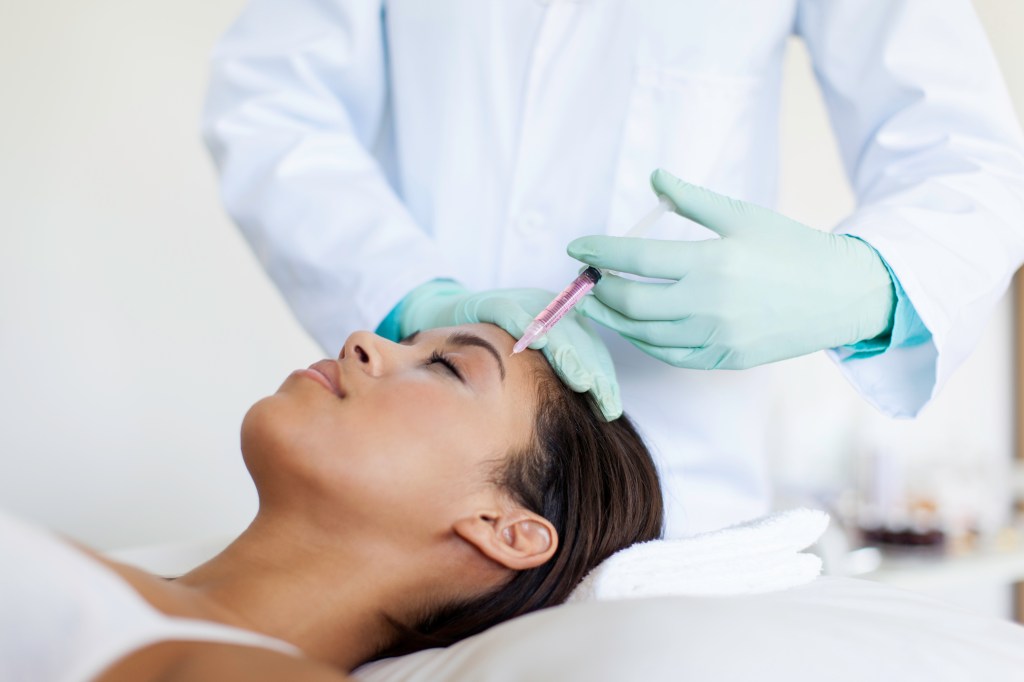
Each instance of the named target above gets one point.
<point>833,629</point>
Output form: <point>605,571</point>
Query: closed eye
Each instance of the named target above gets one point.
<point>437,357</point>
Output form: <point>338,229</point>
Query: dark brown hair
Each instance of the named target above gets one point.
<point>593,480</point>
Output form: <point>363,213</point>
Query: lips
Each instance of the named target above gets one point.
<point>329,370</point>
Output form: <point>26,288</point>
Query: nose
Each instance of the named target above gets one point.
<point>365,350</point>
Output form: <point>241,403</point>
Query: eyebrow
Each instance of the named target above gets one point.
<point>467,339</point>
<point>462,339</point>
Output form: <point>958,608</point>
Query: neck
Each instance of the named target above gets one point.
<point>327,600</point>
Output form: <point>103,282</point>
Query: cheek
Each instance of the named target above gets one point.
<point>422,426</point>
<point>420,445</point>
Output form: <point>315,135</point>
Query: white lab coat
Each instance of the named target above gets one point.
<point>366,147</point>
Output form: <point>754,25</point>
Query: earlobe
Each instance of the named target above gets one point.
<point>519,540</point>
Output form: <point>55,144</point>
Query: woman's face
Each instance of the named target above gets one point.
<point>396,436</point>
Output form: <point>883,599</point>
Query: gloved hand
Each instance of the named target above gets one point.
<point>770,288</point>
<point>575,351</point>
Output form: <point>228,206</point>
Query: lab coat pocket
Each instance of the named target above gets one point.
<point>702,128</point>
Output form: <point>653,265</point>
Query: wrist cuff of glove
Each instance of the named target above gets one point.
<point>389,327</point>
<point>907,328</point>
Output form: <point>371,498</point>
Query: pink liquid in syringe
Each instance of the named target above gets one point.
<point>569,297</point>
<point>557,309</point>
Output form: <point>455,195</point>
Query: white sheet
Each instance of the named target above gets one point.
<point>835,629</point>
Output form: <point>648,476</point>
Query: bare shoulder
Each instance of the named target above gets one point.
<point>204,661</point>
<point>214,661</point>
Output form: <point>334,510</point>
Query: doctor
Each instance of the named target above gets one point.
<point>403,164</point>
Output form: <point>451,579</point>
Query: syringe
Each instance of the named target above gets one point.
<point>579,287</point>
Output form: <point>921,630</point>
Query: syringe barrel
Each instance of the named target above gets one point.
<point>569,297</point>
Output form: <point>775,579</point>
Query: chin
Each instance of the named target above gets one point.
<point>270,433</point>
<point>283,442</point>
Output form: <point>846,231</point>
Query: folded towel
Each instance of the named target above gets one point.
<point>757,556</point>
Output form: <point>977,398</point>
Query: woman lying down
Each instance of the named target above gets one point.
<point>410,495</point>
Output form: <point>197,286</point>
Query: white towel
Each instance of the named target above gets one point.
<point>762,555</point>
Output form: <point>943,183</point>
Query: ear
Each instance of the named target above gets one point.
<point>516,539</point>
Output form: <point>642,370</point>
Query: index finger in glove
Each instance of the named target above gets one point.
<point>663,259</point>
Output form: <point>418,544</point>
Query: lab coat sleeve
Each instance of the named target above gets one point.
<point>296,102</point>
<point>934,152</point>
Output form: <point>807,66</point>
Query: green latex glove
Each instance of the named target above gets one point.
<point>574,350</point>
<point>770,288</point>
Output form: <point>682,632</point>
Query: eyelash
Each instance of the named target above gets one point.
<point>444,360</point>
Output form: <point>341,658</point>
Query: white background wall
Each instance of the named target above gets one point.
<point>136,328</point>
